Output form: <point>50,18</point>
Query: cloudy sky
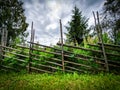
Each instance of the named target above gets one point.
<point>45,15</point>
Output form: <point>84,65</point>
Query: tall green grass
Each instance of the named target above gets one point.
<point>17,81</point>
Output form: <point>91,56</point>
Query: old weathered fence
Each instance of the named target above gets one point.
<point>41,59</point>
<point>62,57</point>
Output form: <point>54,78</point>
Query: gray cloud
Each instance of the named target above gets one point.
<point>46,14</point>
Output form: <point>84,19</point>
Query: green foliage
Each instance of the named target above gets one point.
<point>42,58</point>
<point>20,40</point>
<point>89,62</point>
<point>18,81</point>
<point>111,20</point>
<point>11,59</point>
<point>106,39</point>
<point>80,54</point>
<point>12,19</point>
<point>77,28</point>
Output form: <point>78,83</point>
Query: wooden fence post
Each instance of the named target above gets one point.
<point>31,46</point>
<point>96,26</point>
<point>0,56</point>
<point>102,43</point>
<point>3,43</point>
<point>62,51</point>
<point>1,49</point>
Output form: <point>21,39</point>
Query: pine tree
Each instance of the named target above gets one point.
<point>12,19</point>
<point>77,27</point>
<point>112,19</point>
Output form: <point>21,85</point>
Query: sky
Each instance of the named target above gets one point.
<point>46,14</point>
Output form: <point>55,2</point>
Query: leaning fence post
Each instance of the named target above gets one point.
<point>101,39</point>
<point>30,49</point>
<point>62,52</point>
<point>96,27</point>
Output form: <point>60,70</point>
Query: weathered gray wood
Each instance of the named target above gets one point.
<point>79,64</point>
<point>7,67</point>
<point>47,58</point>
<point>69,71</point>
<point>54,63</point>
<point>95,58</point>
<point>106,44</point>
<point>74,69</point>
<point>2,44</point>
<point>31,46</point>
<point>23,47</point>
<point>86,49</point>
<point>45,46</point>
<point>16,59</point>
<point>10,48</point>
<point>106,47</point>
<point>47,66</point>
<point>16,54</point>
<point>46,51</point>
<point>40,70</point>
<point>62,50</point>
<point>2,37</point>
<point>0,57</point>
<point>103,48</point>
<point>96,27</point>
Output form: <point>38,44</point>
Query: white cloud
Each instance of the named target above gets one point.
<point>46,14</point>
<point>51,26</point>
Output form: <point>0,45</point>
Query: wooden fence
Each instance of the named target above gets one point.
<point>65,58</point>
<point>41,59</point>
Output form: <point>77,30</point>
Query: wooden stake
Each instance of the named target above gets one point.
<point>6,35</point>
<point>2,38</point>
<point>3,43</point>
<point>101,39</point>
<point>62,52</point>
<point>96,27</point>
<point>31,46</point>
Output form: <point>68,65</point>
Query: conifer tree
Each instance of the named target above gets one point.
<point>77,28</point>
<point>12,19</point>
<point>111,20</point>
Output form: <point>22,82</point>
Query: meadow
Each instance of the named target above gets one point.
<point>59,81</point>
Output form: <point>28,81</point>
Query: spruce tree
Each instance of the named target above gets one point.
<point>77,28</point>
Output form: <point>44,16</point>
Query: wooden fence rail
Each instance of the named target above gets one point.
<point>87,49</point>
<point>106,47</point>
<point>52,63</point>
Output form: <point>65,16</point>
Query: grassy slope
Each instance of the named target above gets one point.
<point>17,81</point>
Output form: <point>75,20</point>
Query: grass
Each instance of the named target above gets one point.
<point>18,81</point>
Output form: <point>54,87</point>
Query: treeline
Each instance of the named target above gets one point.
<point>12,31</point>
<point>13,24</point>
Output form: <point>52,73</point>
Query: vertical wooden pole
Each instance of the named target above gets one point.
<point>96,26</point>
<point>62,52</point>
<point>31,46</point>
<point>101,39</point>
<point>6,35</point>
<point>1,48</point>
<point>0,57</point>
<point>3,43</point>
<point>2,38</point>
